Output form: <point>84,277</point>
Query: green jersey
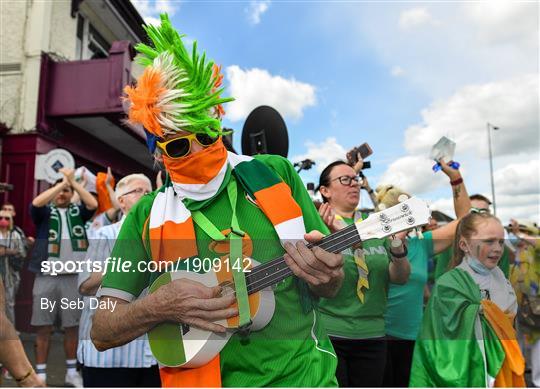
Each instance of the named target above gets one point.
<point>293,349</point>
<point>344,315</point>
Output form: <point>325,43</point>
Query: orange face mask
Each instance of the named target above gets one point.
<point>197,168</point>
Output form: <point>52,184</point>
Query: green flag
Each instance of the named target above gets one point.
<point>447,352</point>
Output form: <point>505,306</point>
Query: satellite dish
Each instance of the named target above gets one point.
<point>265,132</point>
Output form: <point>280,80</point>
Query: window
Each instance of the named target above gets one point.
<point>90,43</point>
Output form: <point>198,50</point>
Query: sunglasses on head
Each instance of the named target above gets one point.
<point>479,210</point>
<point>181,146</point>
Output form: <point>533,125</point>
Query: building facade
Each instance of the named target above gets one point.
<point>63,67</point>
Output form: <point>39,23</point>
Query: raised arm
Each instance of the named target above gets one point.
<point>112,212</point>
<point>443,237</point>
<point>47,196</point>
<point>462,203</point>
<point>365,185</point>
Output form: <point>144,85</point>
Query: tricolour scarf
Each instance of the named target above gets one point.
<point>172,235</point>
<point>75,226</point>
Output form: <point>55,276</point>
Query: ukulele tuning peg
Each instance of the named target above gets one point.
<point>403,197</point>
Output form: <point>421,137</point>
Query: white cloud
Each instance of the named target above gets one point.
<point>255,10</point>
<point>511,104</point>
<point>152,20</point>
<point>502,21</point>
<point>415,17</point>
<point>324,153</point>
<point>524,207</point>
<point>254,87</point>
<point>397,71</point>
<point>520,207</point>
<point>166,6</point>
<point>413,174</point>
<point>444,205</point>
<point>518,179</point>
<point>473,42</point>
<point>150,9</point>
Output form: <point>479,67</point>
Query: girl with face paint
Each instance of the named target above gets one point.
<point>467,336</point>
<point>478,248</point>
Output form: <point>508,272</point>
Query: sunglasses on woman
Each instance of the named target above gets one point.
<point>181,146</point>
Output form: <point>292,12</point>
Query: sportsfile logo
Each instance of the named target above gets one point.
<point>119,265</point>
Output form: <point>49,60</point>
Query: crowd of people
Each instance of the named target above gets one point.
<point>455,304</point>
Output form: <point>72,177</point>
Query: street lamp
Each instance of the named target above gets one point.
<point>489,126</point>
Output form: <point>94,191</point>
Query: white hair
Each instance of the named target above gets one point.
<point>121,186</point>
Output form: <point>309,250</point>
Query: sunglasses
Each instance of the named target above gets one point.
<point>181,146</point>
<point>5,218</point>
<point>479,210</point>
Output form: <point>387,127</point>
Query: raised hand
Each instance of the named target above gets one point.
<point>329,218</point>
<point>452,173</point>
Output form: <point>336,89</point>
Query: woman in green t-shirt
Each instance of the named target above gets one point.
<point>354,319</point>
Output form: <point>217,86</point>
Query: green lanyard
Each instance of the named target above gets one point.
<point>235,256</point>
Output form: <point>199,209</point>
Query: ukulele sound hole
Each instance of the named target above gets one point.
<point>185,328</point>
<point>227,288</point>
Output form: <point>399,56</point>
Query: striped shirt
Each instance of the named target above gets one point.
<point>136,353</point>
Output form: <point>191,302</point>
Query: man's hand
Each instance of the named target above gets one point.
<point>109,179</point>
<point>322,270</point>
<point>192,303</point>
<point>329,218</point>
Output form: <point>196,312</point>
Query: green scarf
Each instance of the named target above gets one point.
<point>77,233</point>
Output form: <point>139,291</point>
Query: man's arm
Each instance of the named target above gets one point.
<point>12,354</point>
<point>180,301</point>
<point>48,195</point>
<point>91,285</point>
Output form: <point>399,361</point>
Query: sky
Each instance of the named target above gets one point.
<point>398,75</point>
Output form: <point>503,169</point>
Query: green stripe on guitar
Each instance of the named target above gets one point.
<point>165,339</point>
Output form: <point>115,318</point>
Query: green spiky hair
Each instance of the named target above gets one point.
<point>189,85</point>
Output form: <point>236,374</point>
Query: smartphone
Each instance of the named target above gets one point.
<point>364,150</point>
